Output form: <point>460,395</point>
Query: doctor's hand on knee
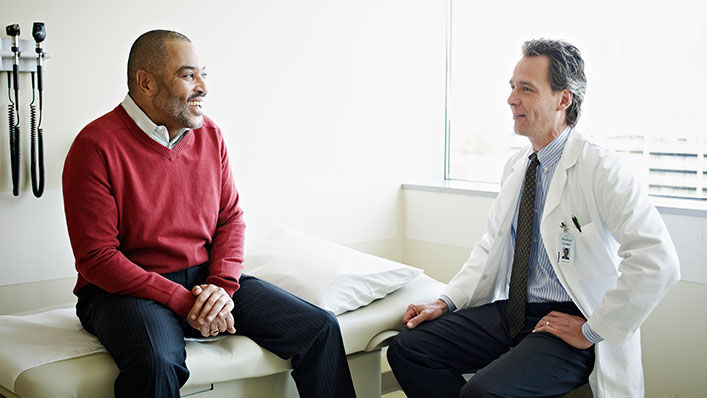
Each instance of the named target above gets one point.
<point>565,326</point>
<point>418,313</point>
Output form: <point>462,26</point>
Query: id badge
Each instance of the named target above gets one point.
<point>567,248</point>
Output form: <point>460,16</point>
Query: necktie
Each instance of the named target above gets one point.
<point>524,230</point>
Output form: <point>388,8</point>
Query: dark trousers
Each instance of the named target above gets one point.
<point>429,361</point>
<point>146,339</point>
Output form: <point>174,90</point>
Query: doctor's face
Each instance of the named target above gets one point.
<point>536,109</point>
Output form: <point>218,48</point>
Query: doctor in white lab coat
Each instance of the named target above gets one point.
<point>620,263</point>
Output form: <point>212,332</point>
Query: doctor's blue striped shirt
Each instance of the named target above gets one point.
<point>543,285</point>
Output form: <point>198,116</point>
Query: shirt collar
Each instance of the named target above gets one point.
<point>157,133</point>
<point>550,154</point>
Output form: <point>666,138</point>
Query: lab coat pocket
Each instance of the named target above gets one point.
<point>593,259</point>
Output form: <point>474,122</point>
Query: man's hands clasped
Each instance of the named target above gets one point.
<point>211,313</point>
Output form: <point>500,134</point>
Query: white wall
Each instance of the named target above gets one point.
<point>326,106</point>
<point>441,228</point>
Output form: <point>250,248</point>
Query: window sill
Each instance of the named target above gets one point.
<point>665,205</point>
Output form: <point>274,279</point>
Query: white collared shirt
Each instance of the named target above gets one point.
<point>157,133</point>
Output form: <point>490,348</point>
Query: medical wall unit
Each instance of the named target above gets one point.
<point>25,57</point>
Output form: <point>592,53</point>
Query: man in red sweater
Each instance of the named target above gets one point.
<point>157,233</point>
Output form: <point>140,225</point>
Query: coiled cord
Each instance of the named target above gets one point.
<point>13,144</point>
<point>36,148</point>
<point>36,154</point>
<point>14,141</point>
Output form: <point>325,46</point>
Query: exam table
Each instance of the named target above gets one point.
<point>233,366</point>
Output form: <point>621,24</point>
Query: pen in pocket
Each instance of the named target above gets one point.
<point>576,224</point>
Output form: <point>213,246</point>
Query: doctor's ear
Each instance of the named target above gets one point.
<point>565,100</point>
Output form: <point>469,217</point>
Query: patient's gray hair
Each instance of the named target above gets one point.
<point>149,53</point>
<point>566,71</point>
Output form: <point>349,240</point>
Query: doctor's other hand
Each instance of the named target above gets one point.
<point>418,313</point>
<point>565,326</point>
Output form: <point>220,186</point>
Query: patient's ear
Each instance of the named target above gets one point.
<point>146,83</point>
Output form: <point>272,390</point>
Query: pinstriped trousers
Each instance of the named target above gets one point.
<point>146,339</point>
<point>429,361</point>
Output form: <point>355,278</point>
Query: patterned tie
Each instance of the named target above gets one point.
<point>524,230</point>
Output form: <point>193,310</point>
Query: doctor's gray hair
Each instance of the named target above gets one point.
<point>566,71</point>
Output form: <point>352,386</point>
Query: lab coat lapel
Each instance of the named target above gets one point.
<point>559,178</point>
<point>552,214</point>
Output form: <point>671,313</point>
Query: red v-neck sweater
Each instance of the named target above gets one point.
<point>136,209</point>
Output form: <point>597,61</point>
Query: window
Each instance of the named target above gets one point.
<point>646,67</point>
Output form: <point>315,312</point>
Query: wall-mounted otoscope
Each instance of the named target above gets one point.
<point>37,138</point>
<point>17,57</point>
<point>14,32</point>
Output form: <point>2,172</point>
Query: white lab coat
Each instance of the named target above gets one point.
<point>624,261</point>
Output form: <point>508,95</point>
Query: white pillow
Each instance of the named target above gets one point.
<point>324,273</point>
